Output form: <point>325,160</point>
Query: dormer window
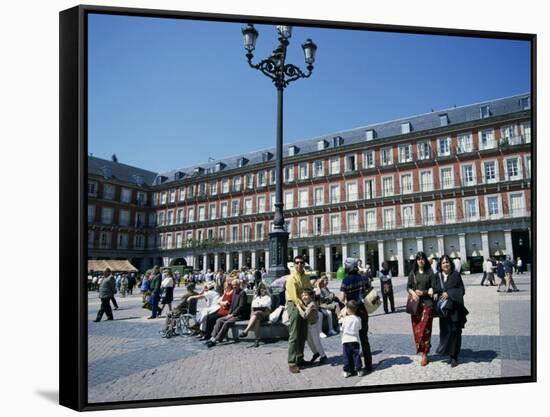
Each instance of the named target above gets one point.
<point>242,162</point>
<point>160,179</point>
<point>484,112</point>
<point>266,156</point>
<point>107,172</point>
<point>219,166</point>
<point>443,120</point>
<point>370,134</point>
<point>292,150</point>
<point>178,175</point>
<point>337,141</point>
<point>525,103</point>
<point>405,128</point>
<point>198,170</point>
<point>140,180</point>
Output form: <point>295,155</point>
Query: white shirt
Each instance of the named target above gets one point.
<point>211,297</point>
<point>261,302</point>
<point>350,329</point>
<point>489,266</point>
<point>167,282</point>
<point>519,263</point>
<point>458,264</point>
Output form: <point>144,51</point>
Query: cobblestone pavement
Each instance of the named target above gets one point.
<point>128,360</point>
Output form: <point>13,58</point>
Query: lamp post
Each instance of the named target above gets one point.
<point>281,74</point>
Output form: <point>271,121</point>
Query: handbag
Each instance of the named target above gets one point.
<point>371,301</point>
<point>413,307</point>
<point>441,304</point>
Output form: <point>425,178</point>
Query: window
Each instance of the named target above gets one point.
<point>517,207</point>
<point>272,177</point>
<point>303,171</point>
<point>319,196</point>
<point>468,175</point>
<point>219,166</point>
<point>221,233</point>
<point>449,212</point>
<point>266,156</point>
<point>235,208</point>
<point>528,166</point>
<point>428,217</point>
<point>319,168</point>
<point>223,207</point>
<point>248,206</point>
<point>140,180</point>
<point>242,162</point>
<point>493,207</point>
<point>470,209</point>
<point>225,185</point>
<point>172,195</point>
<point>337,141</point>
<point>444,146</point>
<point>272,202</point>
<point>262,179</point>
<point>508,134</point>
<point>513,169</point>
<point>191,215</point>
<point>141,198</point>
<point>370,189</point>
<point>487,139</point>
<point>526,131</point>
<point>490,172</point>
<point>352,222</point>
<point>408,216</point>
<point>405,128</point>
<point>289,173</point>
<point>106,215</point>
<point>261,204</point>
<point>386,156</point>
<point>90,238</point>
<point>426,181</point>
<point>406,184</point>
<point>108,191</point>
<point>368,159</point>
<point>387,186</point>
<point>234,233</point>
<point>351,191</point>
<point>288,227</point>
<point>247,233</point>
<point>178,240</point>
<point>351,164</point>
<point>424,150</point>
<point>122,240</point>
<point>334,194</point>
<point>447,179</point>
<point>405,153</point>
<point>139,241</point>
<point>443,120</point>
<point>322,144</point>
<point>91,214</point>
<point>525,103</point>
<point>236,184</point>
<point>152,219</point>
<point>126,195</point>
<point>92,189</point>
<point>389,218</point>
<point>105,240</point>
<point>259,231</point>
<point>464,143</point>
<point>190,192</point>
<point>303,198</point>
<point>182,193</point>
<point>334,165</point>
<point>302,228</point>
<point>179,217</point>
<point>124,217</point>
<point>160,218</point>
<point>335,223</point>
<point>214,188</point>
<point>369,134</point>
<point>318,226</point>
<point>211,211</point>
<point>289,199</point>
<point>292,150</point>
<point>370,220</point>
<point>249,181</point>
<point>484,112</point>
<point>202,213</point>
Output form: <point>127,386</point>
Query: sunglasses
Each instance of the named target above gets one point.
<point>298,262</point>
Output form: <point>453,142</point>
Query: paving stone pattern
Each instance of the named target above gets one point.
<point>128,360</point>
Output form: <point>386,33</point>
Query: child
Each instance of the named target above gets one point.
<point>314,323</point>
<point>351,325</point>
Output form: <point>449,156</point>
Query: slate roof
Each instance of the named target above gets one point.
<point>118,171</point>
<point>418,123</point>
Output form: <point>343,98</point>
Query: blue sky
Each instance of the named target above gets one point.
<point>167,93</point>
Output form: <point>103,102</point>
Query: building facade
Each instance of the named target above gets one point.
<point>456,181</point>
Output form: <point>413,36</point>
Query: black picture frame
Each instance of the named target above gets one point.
<point>73,199</point>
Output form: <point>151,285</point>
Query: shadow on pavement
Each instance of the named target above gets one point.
<point>389,362</point>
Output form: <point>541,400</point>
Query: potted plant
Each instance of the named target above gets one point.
<point>465,267</point>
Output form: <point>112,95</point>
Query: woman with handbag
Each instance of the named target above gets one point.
<point>387,288</point>
<point>451,311</point>
<point>420,286</point>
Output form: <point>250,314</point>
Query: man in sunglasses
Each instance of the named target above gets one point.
<point>296,283</point>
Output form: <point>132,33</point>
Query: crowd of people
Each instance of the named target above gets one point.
<point>436,288</point>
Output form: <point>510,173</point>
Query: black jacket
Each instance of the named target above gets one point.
<point>454,287</point>
<point>239,304</point>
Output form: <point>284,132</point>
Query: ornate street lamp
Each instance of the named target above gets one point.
<point>281,74</point>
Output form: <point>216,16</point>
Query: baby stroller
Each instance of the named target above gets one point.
<point>179,323</point>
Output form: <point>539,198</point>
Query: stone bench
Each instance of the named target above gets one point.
<point>277,331</point>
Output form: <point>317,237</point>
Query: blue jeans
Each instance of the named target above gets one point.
<point>352,359</point>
